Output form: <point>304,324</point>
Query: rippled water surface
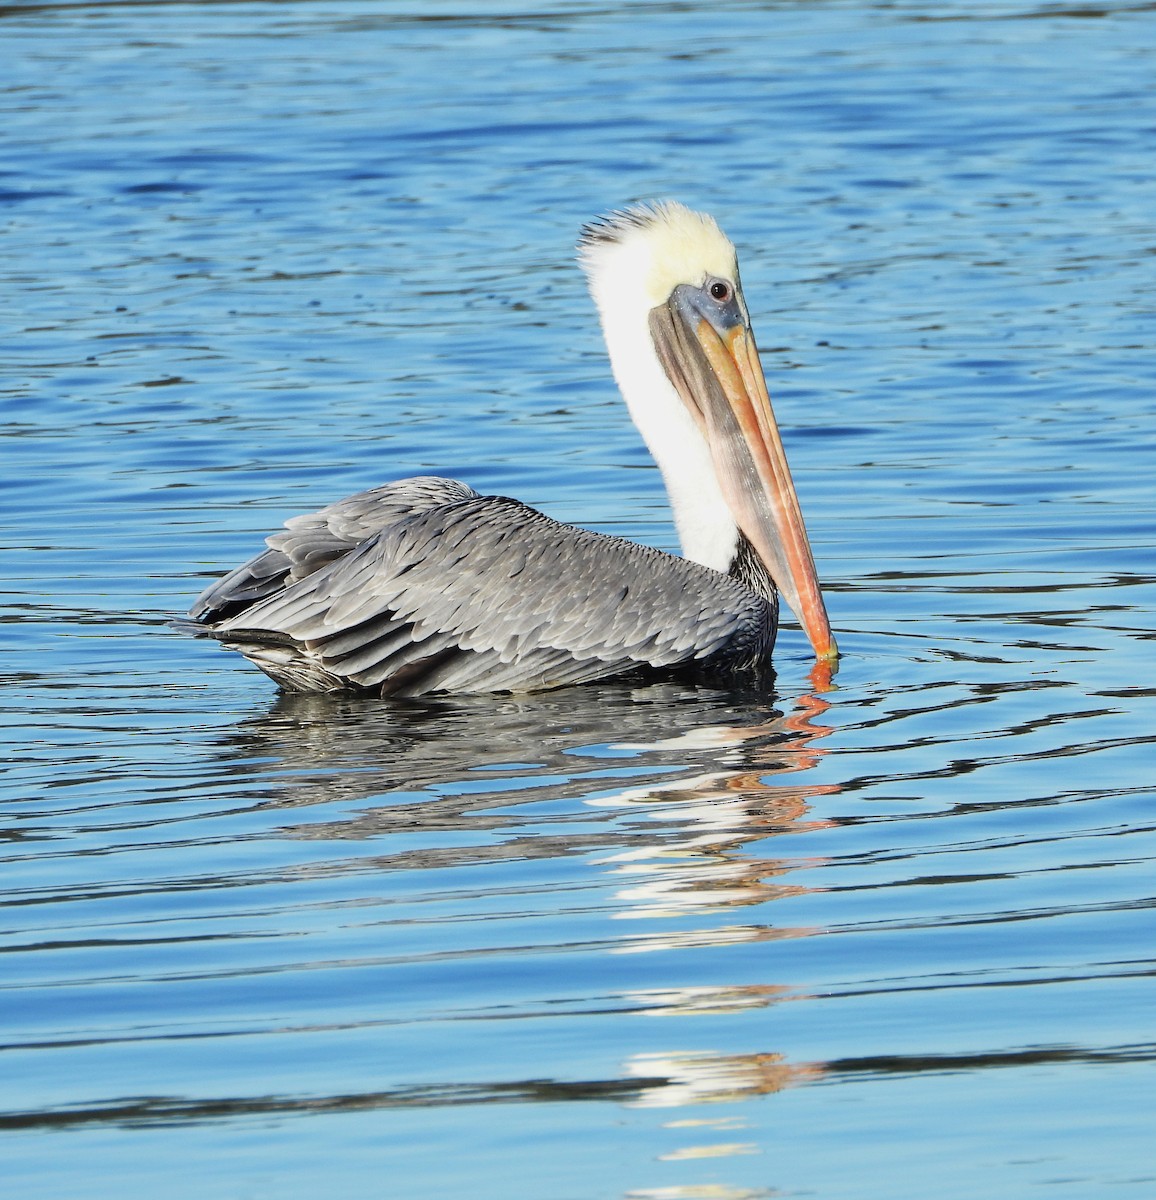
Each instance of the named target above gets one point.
<point>894,939</point>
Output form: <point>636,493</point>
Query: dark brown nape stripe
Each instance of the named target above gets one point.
<point>749,570</point>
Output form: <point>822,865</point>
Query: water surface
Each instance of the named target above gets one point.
<point>891,939</point>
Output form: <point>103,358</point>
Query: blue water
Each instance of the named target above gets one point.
<point>892,939</point>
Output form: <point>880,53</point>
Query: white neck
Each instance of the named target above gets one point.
<point>705,526</point>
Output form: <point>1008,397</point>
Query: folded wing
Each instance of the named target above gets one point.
<point>425,586</point>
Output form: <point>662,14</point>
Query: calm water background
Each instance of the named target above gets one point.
<point>894,939</point>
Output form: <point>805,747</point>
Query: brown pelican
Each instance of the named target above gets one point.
<point>426,586</point>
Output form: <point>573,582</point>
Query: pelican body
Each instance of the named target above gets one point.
<point>423,585</point>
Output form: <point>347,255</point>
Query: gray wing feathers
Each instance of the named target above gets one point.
<point>310,542</point>
<point>485,594</point>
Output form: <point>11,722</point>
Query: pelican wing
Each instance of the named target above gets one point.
<point>312,541</point>
<point>485,594</point>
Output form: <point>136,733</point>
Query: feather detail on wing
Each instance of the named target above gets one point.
<point>314,540</point>
<point>455,591</point>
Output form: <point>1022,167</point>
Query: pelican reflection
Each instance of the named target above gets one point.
<point>705,825</point>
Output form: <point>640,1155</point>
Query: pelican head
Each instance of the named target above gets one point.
<point>666,283</point>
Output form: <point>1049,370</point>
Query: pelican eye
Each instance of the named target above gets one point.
<point>720,290</point>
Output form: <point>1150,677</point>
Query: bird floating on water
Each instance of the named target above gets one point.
<point>425,586</point>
